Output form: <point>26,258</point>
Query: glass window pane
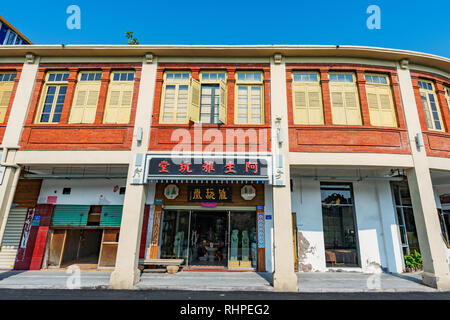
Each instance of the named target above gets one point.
<point>339,227</point>
<point>116,77</point>
<point>51,77</point>
<point>98,76</point>
<point>243,237</point>
<point>123,77</point>
<point>175,232</point>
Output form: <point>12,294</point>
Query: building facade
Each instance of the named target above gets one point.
<point>274,159</point>
<point>10,35</point>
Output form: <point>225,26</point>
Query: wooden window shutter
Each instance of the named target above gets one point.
<point>118,104</point>
<point>308,107</point>
<point>125,104</point>
<point>223,102</point>
<point>85,103</point>
<point>5,95</point>
<point>194,101</point>
<point>381,106</point>
<point>345,104</point>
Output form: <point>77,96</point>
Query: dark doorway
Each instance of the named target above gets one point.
<point>208,239</point>
<point>82,247</point>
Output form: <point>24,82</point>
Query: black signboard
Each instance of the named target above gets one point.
<point>160,166</point>
<point>209,193</point>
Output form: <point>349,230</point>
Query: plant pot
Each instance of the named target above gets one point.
<point>172,269</point>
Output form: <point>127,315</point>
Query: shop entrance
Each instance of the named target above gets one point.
<point>208,241</point>
<point>210,238</point>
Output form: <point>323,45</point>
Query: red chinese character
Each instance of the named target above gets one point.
<point>230,167</point>
<point>163,165</point>
<point>185,167</point>
<point>208,166</point>
<point>251,166</point>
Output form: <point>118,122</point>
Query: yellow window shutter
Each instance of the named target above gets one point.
<point>352,112</point>
<point>223,102</point>
<point>337,107</point>
<point>194,101</point>
<point>112,104</point>
<point>91,105</point>
<point>300,107</point>
<point>315,105</point>
<point>5,96</point>
<point>84,103</point>
<point>381,106</point>
<point>124,111</point>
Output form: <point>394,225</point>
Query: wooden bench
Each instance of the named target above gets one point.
<point>164,262</point>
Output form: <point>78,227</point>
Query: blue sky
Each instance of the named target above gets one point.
<point>412,25</point>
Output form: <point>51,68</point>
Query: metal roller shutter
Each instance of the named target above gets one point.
<point>70,215</point>
<point>11,237</point>
<point>111,216</point>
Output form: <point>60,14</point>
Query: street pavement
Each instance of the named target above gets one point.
<point>324,282</point>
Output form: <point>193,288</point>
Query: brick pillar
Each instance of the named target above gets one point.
<point>106,75</point>
<point>231,80</point>
<point>440,93</point>
<point>72,80</point>
<point>325,84</point>
<point>361,83</point>
<point>396,97</point>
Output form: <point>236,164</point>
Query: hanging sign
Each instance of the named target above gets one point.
<point>209,194</point>
<point>202,167</point>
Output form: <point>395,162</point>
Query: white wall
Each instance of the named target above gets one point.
<point>375,220</point>
<point>306,203</point>
<point>84,191</point>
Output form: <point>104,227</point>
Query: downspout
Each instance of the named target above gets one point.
<point>12,189</point>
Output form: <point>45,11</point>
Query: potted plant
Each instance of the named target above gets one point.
<point>413,262</point>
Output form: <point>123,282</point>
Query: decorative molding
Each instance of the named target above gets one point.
<point>277,58</point>
<point>149,58</point>
<point>29,58</point>
<point>404,63</point>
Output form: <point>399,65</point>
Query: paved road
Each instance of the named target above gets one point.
<point>50,294</point>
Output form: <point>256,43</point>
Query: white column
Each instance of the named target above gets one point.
<point>284,277</point>
<point>126,273</point>
<point>436,270</point>
<point>11,139</point>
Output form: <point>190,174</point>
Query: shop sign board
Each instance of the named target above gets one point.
<point>209,194</point>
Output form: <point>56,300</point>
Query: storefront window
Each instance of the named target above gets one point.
<point>243,237</point>
<point>405,217</point>
<point>174,238</point>
<point>339,226</point>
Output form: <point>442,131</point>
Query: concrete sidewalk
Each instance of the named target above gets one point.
<point>219,281</point>
<point>212,281</point>
<point>44,279</point>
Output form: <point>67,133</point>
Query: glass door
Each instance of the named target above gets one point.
<point>243,240</point>
<point>208,239</point>
<point>175,235</point>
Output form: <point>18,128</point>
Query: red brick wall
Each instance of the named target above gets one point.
<point>339,138</point>
<point>437,144</point>
<point>18,69</point>
<point>65,136</point>
<point>160,135</point>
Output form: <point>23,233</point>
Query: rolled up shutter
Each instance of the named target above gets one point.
<point>111,216</point>
<point>70,215</point>
<point>11,237</point>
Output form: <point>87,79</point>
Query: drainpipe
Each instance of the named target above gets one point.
<point>12,189</point>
